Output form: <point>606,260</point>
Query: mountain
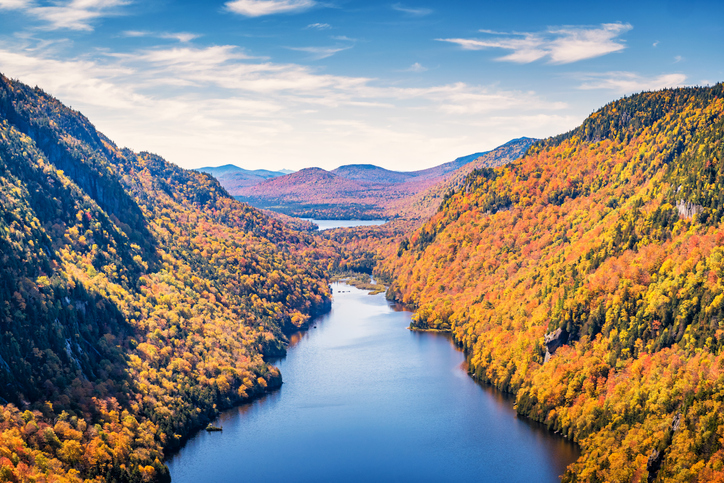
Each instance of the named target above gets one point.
<point>587,278</point>
<point>311,191</point>
<point>375,174</point>
<point>137,299</point>
<point>424,204</point>
<point>372,174</point>
<point>232,177</point>
<point>364,191</point>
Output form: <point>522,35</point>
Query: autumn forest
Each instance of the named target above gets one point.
<point>583,274</point>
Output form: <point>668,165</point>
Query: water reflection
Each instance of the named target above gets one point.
<point>396,307</point>
<point>296,337</point>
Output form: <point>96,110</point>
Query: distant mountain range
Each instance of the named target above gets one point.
<point>374,174</point>
<point>233,177</point>
<point>361,191</point>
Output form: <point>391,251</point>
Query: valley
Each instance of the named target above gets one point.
<point>581,275</point>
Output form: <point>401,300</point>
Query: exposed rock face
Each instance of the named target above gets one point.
<point>687,209</point>
<point>554,340</point>
<point>653,465</point>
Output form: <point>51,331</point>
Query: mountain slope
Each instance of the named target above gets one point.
<point>362,191</point>
<point>587,279</point>
<point>370,173</point>
<point>424,204</point>
<point>137,298</point>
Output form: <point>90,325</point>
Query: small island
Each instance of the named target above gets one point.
<point>211,428</point>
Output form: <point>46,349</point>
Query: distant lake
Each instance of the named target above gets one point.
<point>329,224</point>
<point>365,399</point>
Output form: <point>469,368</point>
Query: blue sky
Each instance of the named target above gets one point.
<point>296,83</point>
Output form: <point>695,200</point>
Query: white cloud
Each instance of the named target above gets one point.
<point>319,26</point>
<point>180,36</point>
<point>258,8</point>
<point>415,12</point>
<point>576,43</point>
<point>678,59</point>
<point>14,4</point>
<point>75,79</point>
<point>75,14</point>
<point>71,15</point>
<point>526,49</point>
<point>462,99</point>
<point>217,105</point>
<point>560,45</point>
<point>496,32</point>
<point>135,33</point>
<point>416,67</point>
<point>318,53</point>
<point>629,82</point>
<point>189,57</point>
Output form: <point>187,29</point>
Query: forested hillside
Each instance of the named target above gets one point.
<point>138,299</point>
<point>588,279</point>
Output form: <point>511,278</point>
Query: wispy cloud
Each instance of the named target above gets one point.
<point>188,59</point>
<point>14,4</point>
<point>416,67</point>
<point>180,36</point>
<point>318,53</point>
<point>415,12</point>
<point>629,82</point>
<point>318,26</point>
<point>258,8</point>
<point>561,45</point>
<point>194,105</point>
<point>135,33</point>
<point>71,15</point>
<point>463,99</point>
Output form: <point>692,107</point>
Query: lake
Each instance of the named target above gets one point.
<point>329,224</point>
<point>366,399</point>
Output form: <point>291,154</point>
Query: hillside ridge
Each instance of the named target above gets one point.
<point>587,280</point>
<point>139,299</point>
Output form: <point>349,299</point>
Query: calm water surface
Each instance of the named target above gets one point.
<point>329,224</point>
<point>365,399</point>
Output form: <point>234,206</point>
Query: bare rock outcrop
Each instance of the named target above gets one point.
<point>554,340</point>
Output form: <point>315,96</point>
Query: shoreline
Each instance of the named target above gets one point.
<point>273,385</point>
<point>486,384</point>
